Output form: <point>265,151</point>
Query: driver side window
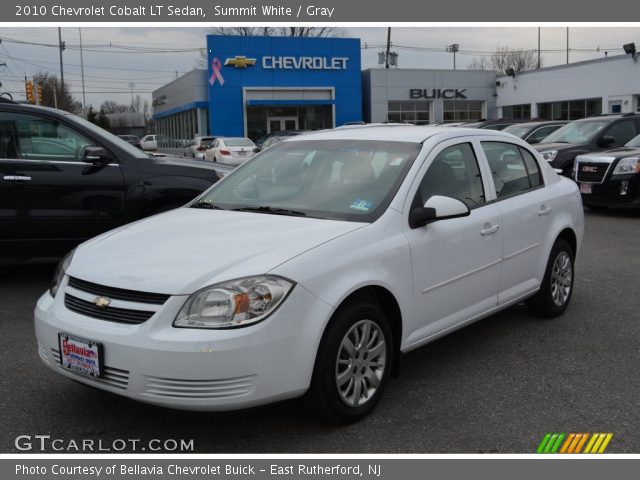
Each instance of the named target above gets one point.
<point>32,137</point>
<point>454,173</point>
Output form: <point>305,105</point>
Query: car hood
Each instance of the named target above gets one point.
<point>543,147</point>
<point>183,250</point>
<point>188,162</point>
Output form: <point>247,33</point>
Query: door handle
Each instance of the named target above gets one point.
<point>544,210</point>
<point>16,178</point>
<point>489,229</point>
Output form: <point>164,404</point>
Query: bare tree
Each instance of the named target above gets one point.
<point>245,31</point>
<point>503,58</point>
<point>304,32</point>
<point>311,32</point>
<point>110,106</point>
<point>53,95</point>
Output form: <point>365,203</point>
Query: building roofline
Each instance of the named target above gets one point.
<point>569,65</point>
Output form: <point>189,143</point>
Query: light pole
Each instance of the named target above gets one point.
<point>453,48</point>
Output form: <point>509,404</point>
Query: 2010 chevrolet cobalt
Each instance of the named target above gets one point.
<point>312,267</point>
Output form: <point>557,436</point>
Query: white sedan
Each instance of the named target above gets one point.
<point>310,270</point>
<point>232,150</point>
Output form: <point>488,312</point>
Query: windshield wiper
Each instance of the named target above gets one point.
<point>204,204</point>
<point>271,210</point>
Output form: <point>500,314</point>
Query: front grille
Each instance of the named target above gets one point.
<point>199,389</point>
<point>591,172</point>
<point>118,293</point>
<point>114,377</point>
<point>112,314</point>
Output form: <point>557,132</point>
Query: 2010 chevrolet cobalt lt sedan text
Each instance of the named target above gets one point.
<point>310,269</point>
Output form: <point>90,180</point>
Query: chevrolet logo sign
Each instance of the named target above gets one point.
<point>101,302</point>
<point>240,62</point>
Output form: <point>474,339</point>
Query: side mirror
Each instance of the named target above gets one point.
<point>606,141</point>
<point>95,155</point>
<point>437,207</point>
<point>533,141</point>
<point>256,150</point>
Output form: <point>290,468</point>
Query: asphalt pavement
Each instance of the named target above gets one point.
<point>496,386</point>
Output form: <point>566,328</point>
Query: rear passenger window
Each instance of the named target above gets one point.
<point>508,169</point>
<point>535,178</point>
<point>454,173</point>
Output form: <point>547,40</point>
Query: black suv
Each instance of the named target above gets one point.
<point>64,180</point>
<point>593,134</point>
<point>610,178</point>
<point>493,123</point>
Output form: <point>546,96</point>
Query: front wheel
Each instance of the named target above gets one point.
<point>352,365</point>
<point>557,285</point>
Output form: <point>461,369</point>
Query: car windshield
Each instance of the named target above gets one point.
<point>124,145</point>
<point>238,142</point>
<point>634,142</point>
<point>518,130</point>
<point>351,180</point>
<point>576,132</point>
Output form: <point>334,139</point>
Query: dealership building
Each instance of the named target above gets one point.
<point>573,91</point>
<point>258,85</point>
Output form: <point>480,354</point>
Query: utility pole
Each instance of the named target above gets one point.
<point>538,47</point>
<point>386,61</point>
<point>61,46</point>
<point>84,100</point>
<point>131,85</point>
<point>567,45</point>
<point>453,48</point>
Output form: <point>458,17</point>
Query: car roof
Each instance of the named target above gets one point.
<point>398,133</point>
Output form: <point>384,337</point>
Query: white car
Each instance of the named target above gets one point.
<point>232,150</point>
<point>310,270</point>
<point>198,146</point>
<point>150,142</point>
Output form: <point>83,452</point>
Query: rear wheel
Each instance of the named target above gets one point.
<point>557,286</point>
<point>352,366</point>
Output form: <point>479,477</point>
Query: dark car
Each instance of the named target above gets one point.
<point>64,180</point>
<point>592,134</point>
<point>610,178</point>
<point>493,123</point>
<point>132,139</point>
<point>534,132</point>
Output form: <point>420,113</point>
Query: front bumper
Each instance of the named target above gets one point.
<point>610,193</point>
<point>193,369</point>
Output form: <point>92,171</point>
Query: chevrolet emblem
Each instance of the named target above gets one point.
<point>101,302</point>
<point>240,62</point>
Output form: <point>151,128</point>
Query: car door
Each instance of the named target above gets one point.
<point>456,262</point>
<point>526,209</point>
<point>54,194</point>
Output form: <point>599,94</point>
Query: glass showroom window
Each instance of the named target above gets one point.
<point>409,112</point>
<point>570,110</point>
<point>462,110</point>
<point>520,112</point>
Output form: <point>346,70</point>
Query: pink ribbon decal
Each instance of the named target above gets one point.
<point>215,66</point>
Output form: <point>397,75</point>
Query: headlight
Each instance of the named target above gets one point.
<point>627,166</point>
<point>236,303</point>
<point>60,272</point>
<point>549,155</point>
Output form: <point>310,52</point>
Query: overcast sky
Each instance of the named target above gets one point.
<point>109,74</point>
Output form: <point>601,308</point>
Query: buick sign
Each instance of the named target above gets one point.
<point>433,93</point>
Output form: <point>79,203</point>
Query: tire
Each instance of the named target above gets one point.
<point>553,297</point>
<point>348,402</point>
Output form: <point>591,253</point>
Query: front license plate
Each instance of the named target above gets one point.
<point>80,355</point>
<point>585,188</point>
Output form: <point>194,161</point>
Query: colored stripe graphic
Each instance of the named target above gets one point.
<point>574,442</point>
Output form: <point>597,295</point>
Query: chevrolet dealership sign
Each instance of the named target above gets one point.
<point>304,63</point>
